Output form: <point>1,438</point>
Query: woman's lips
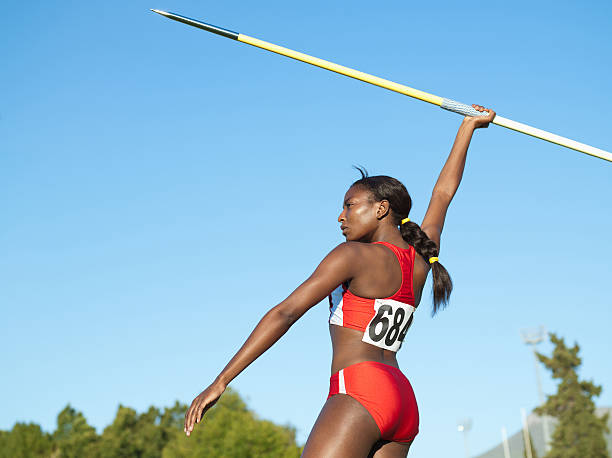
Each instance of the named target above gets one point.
<point>343,228</point>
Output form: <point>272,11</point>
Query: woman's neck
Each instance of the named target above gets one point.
<point>390,234</point>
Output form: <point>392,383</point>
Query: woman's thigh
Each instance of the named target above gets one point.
<point>344,429</point>
<point>385,449</point>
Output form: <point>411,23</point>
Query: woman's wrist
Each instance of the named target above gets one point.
<point>469,122</point>
<point>221,382</point>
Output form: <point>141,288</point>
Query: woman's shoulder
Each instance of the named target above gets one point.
<point>357,251</point>
<point>358,247</point>
<point>370,252</point>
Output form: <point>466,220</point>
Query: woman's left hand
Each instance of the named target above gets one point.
<point>480,121</point>
<point>204,401</point>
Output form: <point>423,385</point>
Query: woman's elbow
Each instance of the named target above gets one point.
<point>286,314</point>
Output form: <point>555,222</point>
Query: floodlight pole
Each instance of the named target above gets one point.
<point>505,442</point>
<point>526,438</point>
<point>464,426</point>
<point>532,338</point>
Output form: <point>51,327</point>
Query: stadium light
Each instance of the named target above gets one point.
<point>463,426</point>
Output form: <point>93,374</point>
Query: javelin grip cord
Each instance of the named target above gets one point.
<point>461,108</point>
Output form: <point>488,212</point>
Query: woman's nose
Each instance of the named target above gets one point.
<point>342,216</point>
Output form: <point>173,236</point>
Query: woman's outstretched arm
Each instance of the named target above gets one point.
<point>338,266</point>
<point>451,175</point>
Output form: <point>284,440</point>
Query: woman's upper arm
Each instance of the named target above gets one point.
<point>337,267</point>
<point>433,222</point>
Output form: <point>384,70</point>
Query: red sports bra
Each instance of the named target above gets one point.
<point>384,322</point>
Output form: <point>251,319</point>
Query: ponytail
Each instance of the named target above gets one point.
<point>426,248</point>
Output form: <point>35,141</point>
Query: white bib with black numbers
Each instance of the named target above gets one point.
<point>390,324</point>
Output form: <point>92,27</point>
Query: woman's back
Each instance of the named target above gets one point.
<point>388,270</point>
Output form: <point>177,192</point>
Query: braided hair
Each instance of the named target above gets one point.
<point>387,188</point>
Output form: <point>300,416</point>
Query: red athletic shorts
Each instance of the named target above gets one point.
<point>386,393</point>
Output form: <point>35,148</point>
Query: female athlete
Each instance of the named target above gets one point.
<point>374,282</point>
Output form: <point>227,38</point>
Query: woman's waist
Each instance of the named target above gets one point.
<point>348,349</point>
<point>340,362</point>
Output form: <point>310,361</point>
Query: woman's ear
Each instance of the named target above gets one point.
<point>383,209</point>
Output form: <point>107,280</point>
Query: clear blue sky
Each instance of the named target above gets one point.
<point>162,187</point>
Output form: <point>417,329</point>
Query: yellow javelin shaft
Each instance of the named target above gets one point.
<point>375,80</point>
<point>447,104</point>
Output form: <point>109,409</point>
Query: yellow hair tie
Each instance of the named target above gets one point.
<point>405,220</point>
<point>432,260</point>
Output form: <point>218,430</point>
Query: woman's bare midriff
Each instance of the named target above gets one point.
<point>348,349</point>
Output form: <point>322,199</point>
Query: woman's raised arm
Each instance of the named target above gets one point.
<point>451,174</point>
<point>339,265</point>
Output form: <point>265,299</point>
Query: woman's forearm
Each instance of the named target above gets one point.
<point>270,328</point>
<point>337,267</point>
<point>452,172</point>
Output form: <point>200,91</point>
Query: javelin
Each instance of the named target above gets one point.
<point>447,104</point>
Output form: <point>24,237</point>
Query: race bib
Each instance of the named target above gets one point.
<point>390,324</point>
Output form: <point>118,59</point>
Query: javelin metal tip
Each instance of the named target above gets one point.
<point>201,25</point>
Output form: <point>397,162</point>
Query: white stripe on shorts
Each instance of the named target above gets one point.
<point>341,387</point>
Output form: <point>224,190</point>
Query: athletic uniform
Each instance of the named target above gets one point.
<point>382,389</point>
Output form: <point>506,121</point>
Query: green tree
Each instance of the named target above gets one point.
<point>133,435</point>
<point>141,435</point>
<point>579,434</point>
<point>230,430</point>
<point>25,441</point>
<point>74,438</point>
<point>173,418</point>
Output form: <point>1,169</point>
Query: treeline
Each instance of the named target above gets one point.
<point>229,430</point>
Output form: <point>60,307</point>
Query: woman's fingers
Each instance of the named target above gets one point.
<point>484,120</point>
<point>490,115</point>
<point>198,408</point>
<point>199,413</point>
<point>195,413</point>
<point>191,415</point>
<point>186,418</point>
<point>205,400</point>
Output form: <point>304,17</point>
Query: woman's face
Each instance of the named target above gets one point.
<point>358,220</point>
